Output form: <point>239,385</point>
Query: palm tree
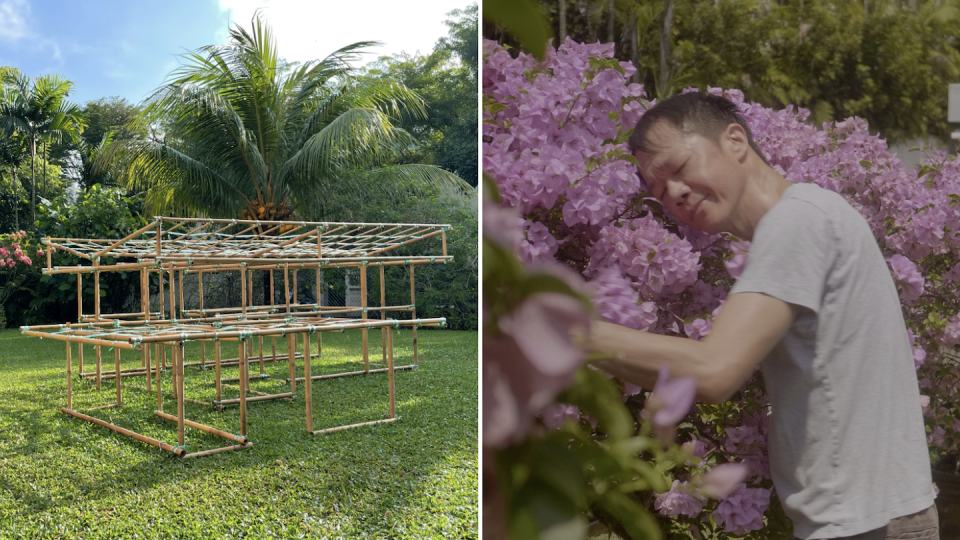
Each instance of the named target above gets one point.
<point>38,109</point>
<point>13,152</point>
<point>238,132</point>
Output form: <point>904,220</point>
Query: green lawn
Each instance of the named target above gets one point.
<point>61,477</point>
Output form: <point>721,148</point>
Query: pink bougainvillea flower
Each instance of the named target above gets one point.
<point>557,414</point>
<point>905,271</point>
<point>742,511</point>
<point>671,398</point>
<point>723,479</point>
<point>678,501</point>
<point>39,253</point>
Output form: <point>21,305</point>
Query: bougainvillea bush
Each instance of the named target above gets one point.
<point>19,253</point>
<point>554,143</point>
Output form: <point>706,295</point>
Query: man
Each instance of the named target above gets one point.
<point>815,304</point>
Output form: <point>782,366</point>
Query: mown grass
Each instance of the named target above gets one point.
<point>61,477</point>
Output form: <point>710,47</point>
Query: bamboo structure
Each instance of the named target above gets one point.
<point>172,248</point>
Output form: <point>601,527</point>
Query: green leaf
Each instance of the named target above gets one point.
<point>524,19</point>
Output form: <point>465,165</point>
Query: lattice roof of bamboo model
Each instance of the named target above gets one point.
<point>229,240</point>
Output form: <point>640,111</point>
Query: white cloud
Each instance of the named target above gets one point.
<point>309,30</point>
<point>13,14</point>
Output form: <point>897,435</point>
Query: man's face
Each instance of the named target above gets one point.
<point>699,180</point>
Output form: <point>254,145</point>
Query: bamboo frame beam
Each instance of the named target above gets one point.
<point>143,438</point>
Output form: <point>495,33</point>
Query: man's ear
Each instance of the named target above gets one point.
<point>736,140</point>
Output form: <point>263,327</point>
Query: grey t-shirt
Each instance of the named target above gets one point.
<point>847,445</point>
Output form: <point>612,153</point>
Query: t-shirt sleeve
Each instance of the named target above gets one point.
<point>790,255</point>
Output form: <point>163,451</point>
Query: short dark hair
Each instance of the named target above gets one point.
<point>704,114</point>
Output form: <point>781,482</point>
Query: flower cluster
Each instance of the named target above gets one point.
<point>554,141</point>
<point>9,255</point>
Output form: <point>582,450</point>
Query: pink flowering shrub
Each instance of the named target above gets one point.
<point>554,141</point>
<point>15,264</point>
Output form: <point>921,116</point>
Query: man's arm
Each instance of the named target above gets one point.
<point>743,334</point>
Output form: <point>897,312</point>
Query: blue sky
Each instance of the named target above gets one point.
<point>126,48</point>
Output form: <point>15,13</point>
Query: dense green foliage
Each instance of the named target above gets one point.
<point>888,62</point>
<point>96,213</point>
<point>414,478</point>
<point>447,81</point>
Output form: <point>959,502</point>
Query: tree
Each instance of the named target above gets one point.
<point>447,82</point>
<point>37,108</point>
<point>244,134</point>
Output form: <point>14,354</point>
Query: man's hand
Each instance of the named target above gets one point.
<point>743,334</point>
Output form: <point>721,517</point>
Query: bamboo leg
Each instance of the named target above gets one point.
<point>286,285</point>
<point>261,354</point>
<point>291,360</point>
<point>145,294</point>
<point>243,388</point>
<point>203,359</point>
<point>70,378</point>
<point>317,289</point>
<point>173,303</point>
<point>306,380</point>
<point>383,315</point>
<point>80,301</point>
<point>413,303</point>
<point>216,350</point>
<point>80,357</point>
<point>178,368</point>
<point>159,388</point>
<point>163,310</point>
<point>250,288</point>
<point>363,316</point>
<point>273,347</point>
<point>146,360</point>
<point>296,282</point>
<point>273,295</point>
<point>163,355</point>
<point>116,357</point>
<point>181,289</point>
<point>243,289</point>
<point>98,366</point>
<point>390,376</point>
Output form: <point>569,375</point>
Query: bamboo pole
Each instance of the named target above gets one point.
<point>260,397</point>
<point>116,357</point>
<point>79,339</point>
<point>383,315</point>
<point>413,314</point>
<point>291,360</point>
<point>243,289</point>
<point>96,312</point>
<point>332,327</point>
<point>130,236</point>
<point>178,367</point>
<point>363,315</point>
<point>202,427</point>
<point>390,373</point>
<point>127,432</point>
<point>306,383</point>
<point>216,349</point>
<point>203,351</point>
<point>163,310</point>
<point>173,302</point>
<point>146,357</point>
<point>158,371</point>
<point>218,450</point>
<point>79,355</point>
<point>286,286</point>
<point>79,297</point>
<point>351,426</point>
<point>317,288</point>
<point>260,338</point>
<point>181,289</point>
<point>69,378</point>
<point>443,238</point>
<point>243,387</point>
<point>354,373</point>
